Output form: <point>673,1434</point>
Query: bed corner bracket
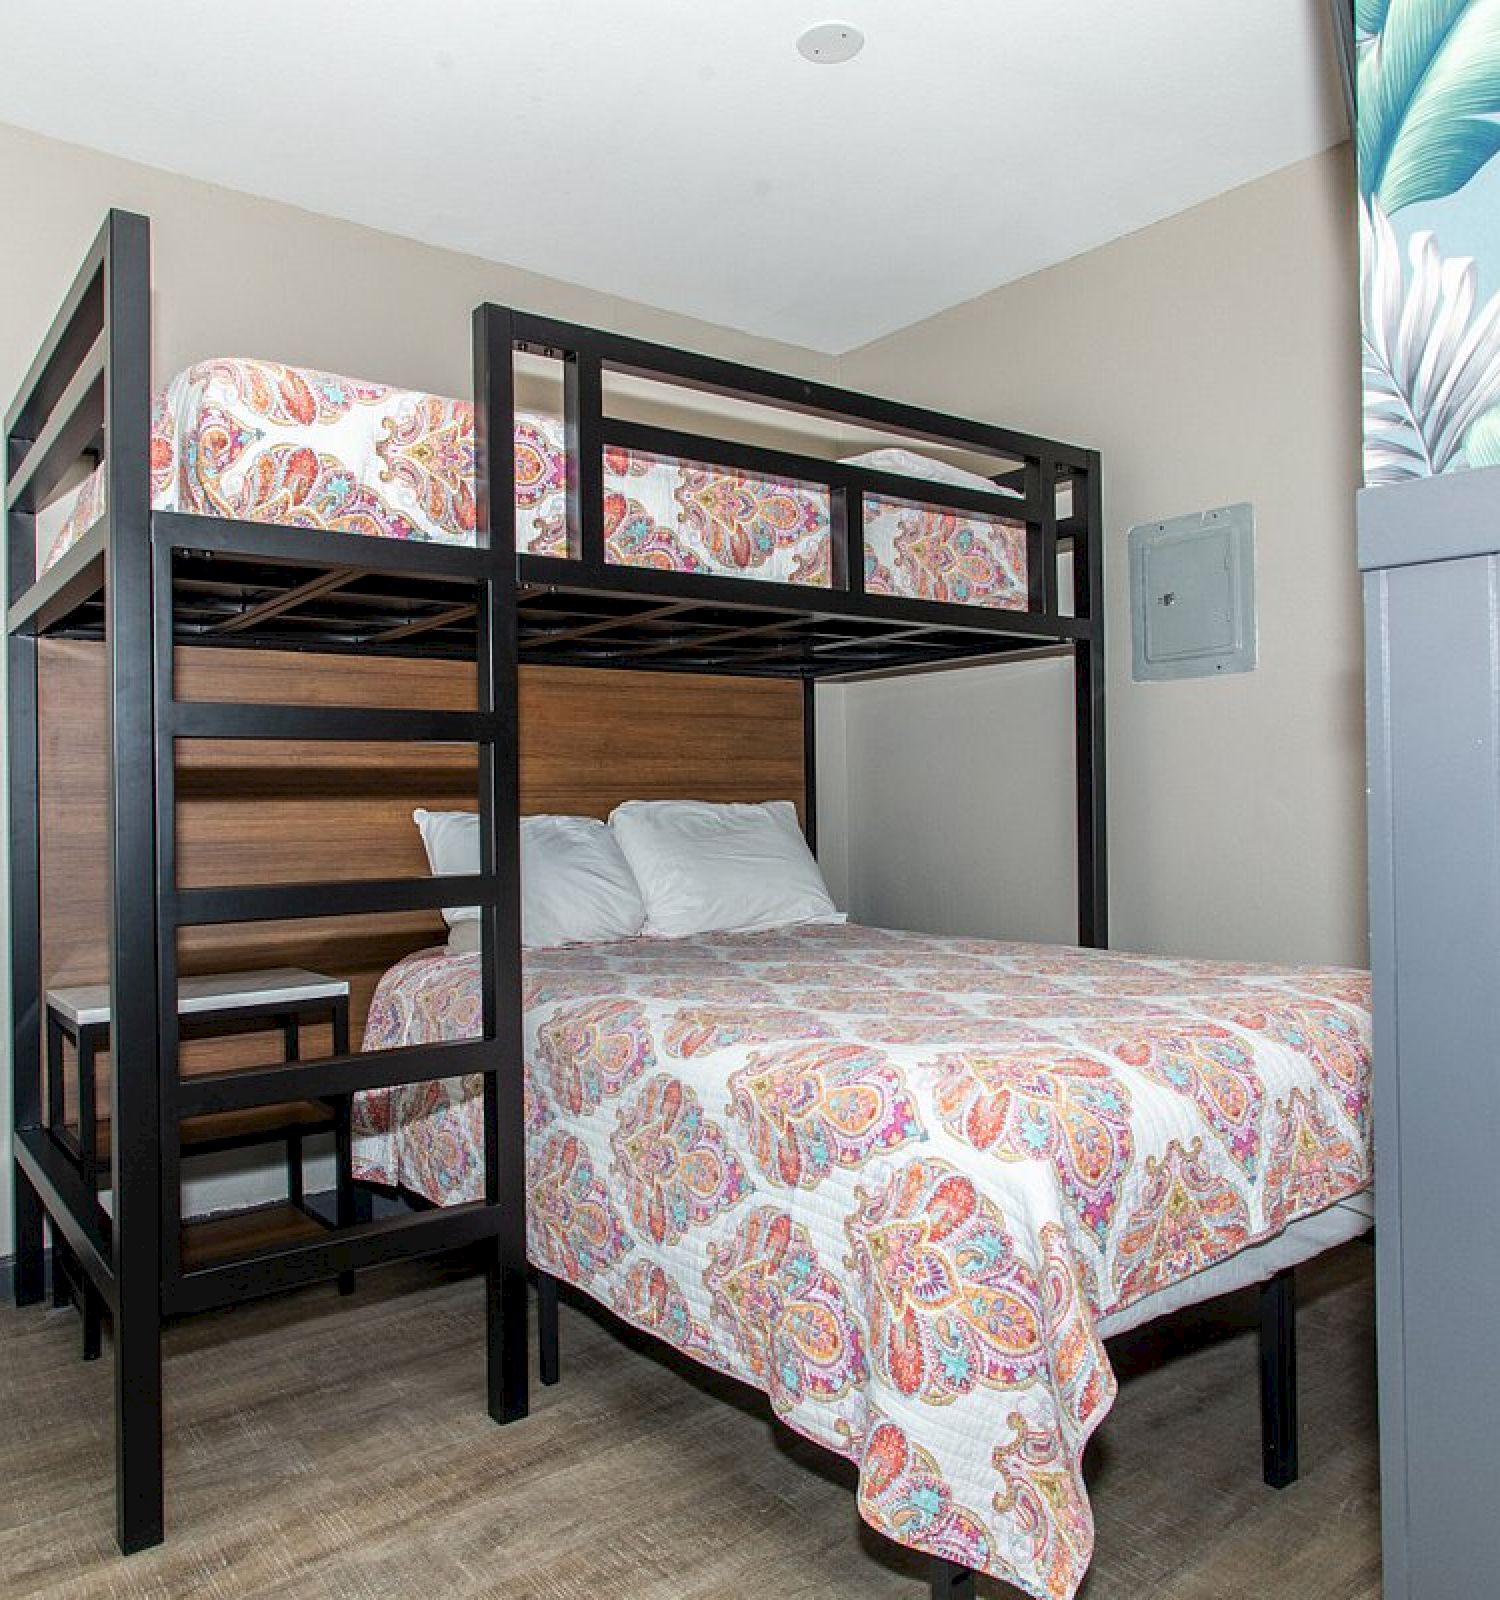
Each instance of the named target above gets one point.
<point>1278,1379</point>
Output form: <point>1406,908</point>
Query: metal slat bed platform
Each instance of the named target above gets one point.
<point>147,582</point>
<point>259,584</point>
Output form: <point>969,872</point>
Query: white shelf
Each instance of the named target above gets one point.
<point>87,1004</point>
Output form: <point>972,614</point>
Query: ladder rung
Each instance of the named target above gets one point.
<point>270,902</point>
<point>77,576</point>
<point>211,719</point>
<point>242,1088</point>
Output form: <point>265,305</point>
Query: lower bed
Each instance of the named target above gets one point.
<point>907,1185</point>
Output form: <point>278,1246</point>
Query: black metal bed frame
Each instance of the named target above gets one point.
<point>143,581</point>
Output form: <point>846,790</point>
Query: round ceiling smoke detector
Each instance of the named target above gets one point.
<point>831,42</point>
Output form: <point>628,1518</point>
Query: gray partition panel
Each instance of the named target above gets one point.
<point>1431,552</point>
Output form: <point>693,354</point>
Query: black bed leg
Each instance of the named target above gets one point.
<point>64,1274</point>
<point>139,1496</point>
<point>548,1358</point>
<point>343,1147</point>
<point>1278,1380</point>
<point>93,1322</point>
<point>949,1581</point>
<point>30,1280</point>
<point>506,1317</point>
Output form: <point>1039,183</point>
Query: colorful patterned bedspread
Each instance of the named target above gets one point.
<point>263,442</point>
<point>892,1180</point>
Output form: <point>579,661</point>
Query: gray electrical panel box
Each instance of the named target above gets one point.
<point>1192,594</point>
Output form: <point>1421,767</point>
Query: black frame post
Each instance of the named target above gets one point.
<point>135,1081</point>
<point>1278,1379</point>
<point>810,763</point>
<point>549,1345</point>
<point>500,824</point>
<point>583,448</point>
<point>169,1024</point>
<point>1088,681</point>
<point>24,796</point>
<point>1040,477</point>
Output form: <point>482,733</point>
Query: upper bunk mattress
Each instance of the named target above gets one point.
<point>898,1182</point>
<point>262,442</point>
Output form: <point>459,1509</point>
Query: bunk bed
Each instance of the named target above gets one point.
<point>165,592</point>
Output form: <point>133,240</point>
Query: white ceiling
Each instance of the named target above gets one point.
<point>681,152</point>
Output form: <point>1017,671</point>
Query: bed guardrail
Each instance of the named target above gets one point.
<point>86,400</point>
<point>587,354</point>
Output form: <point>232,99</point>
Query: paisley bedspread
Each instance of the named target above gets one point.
<point>894,1180</point>
<point>262,442</point>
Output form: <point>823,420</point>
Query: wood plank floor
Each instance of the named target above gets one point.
<point>327,1449</point>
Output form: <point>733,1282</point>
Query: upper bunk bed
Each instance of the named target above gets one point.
<point>292,501</point>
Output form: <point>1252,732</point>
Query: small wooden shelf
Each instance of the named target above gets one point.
<point>246,1233</point>
<point>224,1129</point>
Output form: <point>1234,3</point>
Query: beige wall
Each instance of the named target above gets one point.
<point>240,276</point>
<point>1212,358</point>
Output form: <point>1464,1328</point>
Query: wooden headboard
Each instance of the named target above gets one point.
<point>257,813</point>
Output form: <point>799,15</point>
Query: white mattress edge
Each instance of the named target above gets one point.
<point>1300,1241</point>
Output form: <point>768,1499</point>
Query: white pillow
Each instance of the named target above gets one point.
<point>575,885</point>
<point>720,868</point>
<point>909,464</point>
<point>451,840</point>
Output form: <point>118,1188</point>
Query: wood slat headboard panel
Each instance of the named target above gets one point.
<point>590,739</point>
<point>256,813</point>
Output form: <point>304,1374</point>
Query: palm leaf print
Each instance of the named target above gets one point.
<point>1429,87</point>
<point>1431,365</point>
<point>1482,441</point>
<point>1369,17</point>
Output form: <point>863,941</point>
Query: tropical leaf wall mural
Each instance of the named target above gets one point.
<point>1429,124</point>
<point>1369,17</point>
<point>1432,365</point>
